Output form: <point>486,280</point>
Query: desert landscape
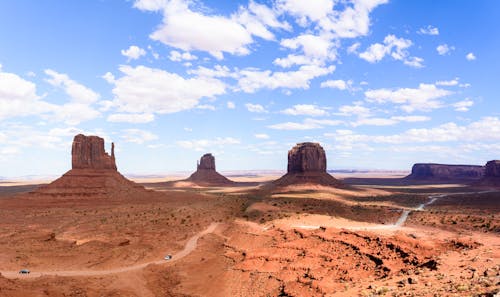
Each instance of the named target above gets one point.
<point>93,232</point>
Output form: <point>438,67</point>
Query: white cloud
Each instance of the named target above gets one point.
<point>374,122</point>
<point>357,109</point>
<point>178,57</point>
<point>304,11</point>
<point>255,108</point>
<point>135,118</point>
<point>305,109</point>
<point>429,30</point>
<point>206,144</point>
<point>425,98</point>
<point>307,124</point>
<point>133,52</point>
<point>18,97</point>
<point>262,136</point>
<point>448,83</point>
<point>138,136</point>
<point>337,84</point>
<point>257,17</point>
<point>252,80</point>
<point>79,108</point>
<point>352,49</point>
<point>486,129</point>
<point>463,105</point>
<point>148,90</point>
<point>314,47</point>
<point>394,47</point>
<point>444,49</point>
<point>411,119</point>
<point>231,105</point>
<point>206,106</point>
<point>470,57</point>
<point>78,92</point>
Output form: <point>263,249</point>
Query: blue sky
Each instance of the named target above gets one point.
<point>380,84</point>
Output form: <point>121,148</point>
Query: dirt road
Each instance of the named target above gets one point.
<point>190,246</point>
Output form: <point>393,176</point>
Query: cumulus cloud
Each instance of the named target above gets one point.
<point>149,90</point>
<point>252,80</point>
<point>448,83</point>
<point>463,105</point>
<point>261,136</point>
<point>470,57</point>
<point>133,52</point>
<point>255,108</point>
<point>307,124</point>
<point>305,109</point>
<point>206,144</point>
<point>337,84</point>
<point>136,118</point>
<point>138,136</point>
<point>18,97</point>
<point>429,30</point>
<point>444,49</point>
<point>178,56</point>
<point>357,110</point>
<point>424,98</point>
<point>394,47</point>
<point>79,108</point>
<point>231,105</point>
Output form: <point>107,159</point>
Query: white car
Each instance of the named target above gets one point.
<point>168,257</point>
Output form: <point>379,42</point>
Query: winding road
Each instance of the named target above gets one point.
<point>190,246</point>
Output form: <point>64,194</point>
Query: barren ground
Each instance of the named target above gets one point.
<point>299,241</point>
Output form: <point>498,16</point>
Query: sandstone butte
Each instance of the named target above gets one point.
<point>491,174</point>
<point>444,172</point>
<point>206,175</point>
<point>93,173</point>
<point>307,165</point>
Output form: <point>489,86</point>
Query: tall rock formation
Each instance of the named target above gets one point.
<point>93,173</point>
<point>88,152</point>
<point>444,172</point>
<point>491,174</point>
<point>206,175</point>
<point>307,164</point>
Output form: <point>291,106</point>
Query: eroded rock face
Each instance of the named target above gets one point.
<point>427,171</point>
<point>492,169</point>
<point>207,161</point>
<point>206,175</point>
<point>88,152</point>
<point>306,157</point>
<point>307,165</point>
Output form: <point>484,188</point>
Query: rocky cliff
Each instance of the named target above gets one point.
<point>444,172</point>
<point>87,152</point>
<point>307,165</point>
<point>491,174</point>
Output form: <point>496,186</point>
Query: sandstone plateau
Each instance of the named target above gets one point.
<point>307,164</point>
<point>444,172</point>
<point>206,175</point>
<point>93,173</point>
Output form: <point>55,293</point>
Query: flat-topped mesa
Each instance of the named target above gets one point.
<point>206,175</point>
<point>88,152</point>
<point>307,165</point>
<point>206,162</point>
<point>430,171</point>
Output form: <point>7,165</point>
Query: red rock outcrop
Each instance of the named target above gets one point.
<point>444,172</point>
<point>307,164</point>
<point>206,175</point>
<point>88,152</point>
<point>93,173</point>
<point>491,174</point>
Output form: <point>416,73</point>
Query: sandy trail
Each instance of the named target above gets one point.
<point>190,246</point>
<point>402,219</point>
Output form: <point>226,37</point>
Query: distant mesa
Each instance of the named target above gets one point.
<point>491,174</point>
<point>93,172</point>
<point>206,175</point>
<point>444,172</point>
<point>307,165</point>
